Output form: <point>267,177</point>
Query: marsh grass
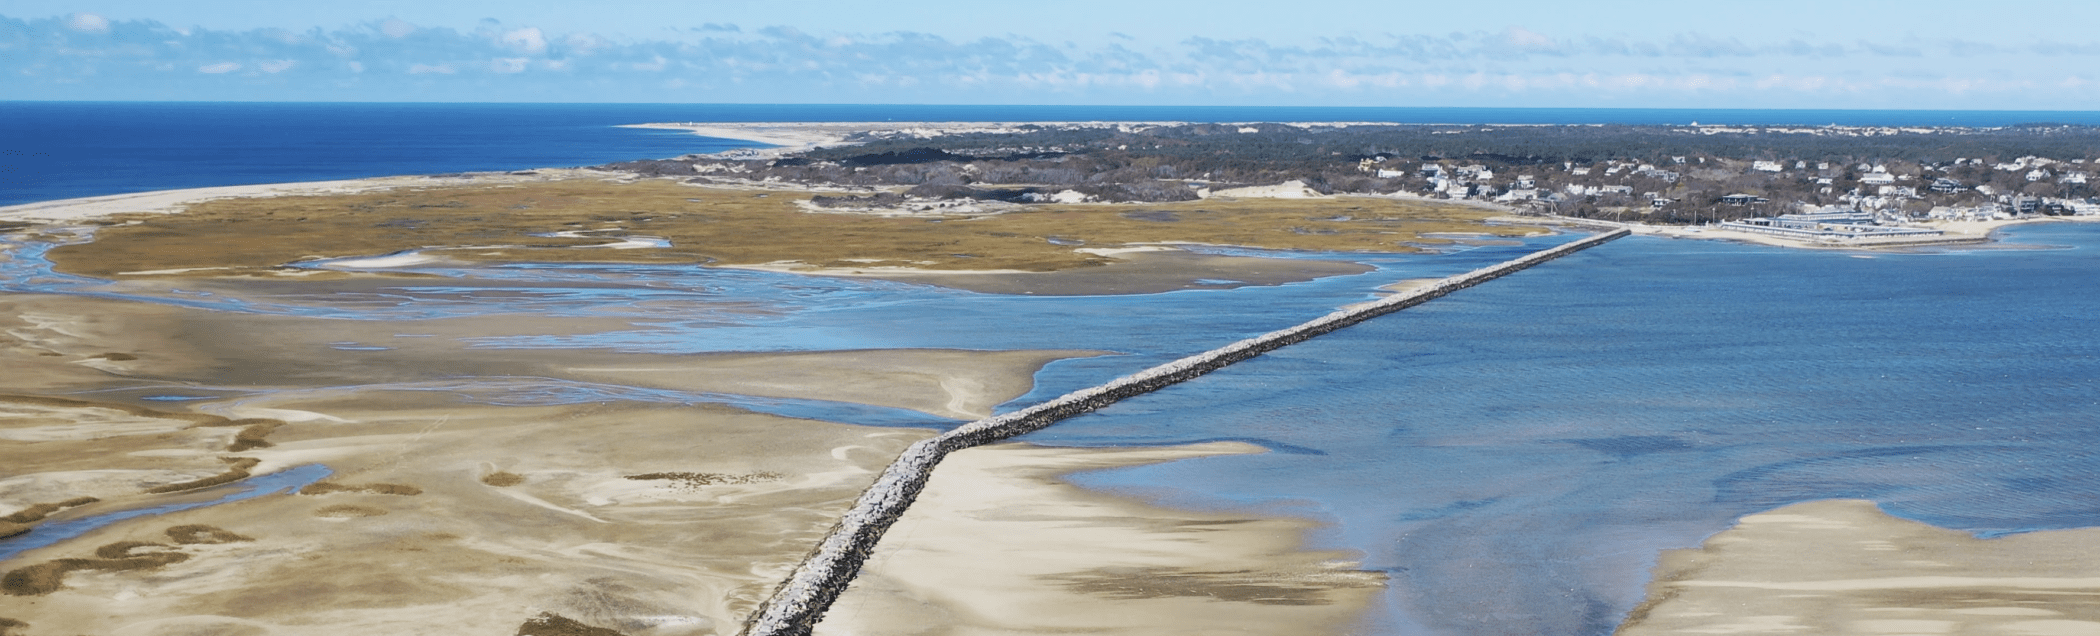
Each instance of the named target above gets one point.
<point>37,512</point>
<point>326,487</point>
<point>552,624</point>
<point>50,576</point>
<point>238,470</point>
<point>200,534</point>
<point>728,226</point>
<point>348,511</point>
<point>252,436</point>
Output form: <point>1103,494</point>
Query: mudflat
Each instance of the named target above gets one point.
<point>462,499</point>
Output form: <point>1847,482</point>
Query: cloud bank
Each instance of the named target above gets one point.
<point>87,56</point>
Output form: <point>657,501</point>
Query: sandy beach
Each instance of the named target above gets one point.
<point>1000,544</point>
<point>171,201</point>
<point>1957,233</point>
<point>1845,567</point>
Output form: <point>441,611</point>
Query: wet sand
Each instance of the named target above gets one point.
<point>447,514</point>
<point>450,512</point>
<point>1845,567</point>
<point>999,543</point>
<point>64,344</point>
<point>575,534</point>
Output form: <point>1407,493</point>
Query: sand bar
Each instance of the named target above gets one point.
<point>168,201</point>
<point>999,543</point>
<point>1845,567</point>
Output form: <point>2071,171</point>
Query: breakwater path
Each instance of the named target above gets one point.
<point>801,600</point>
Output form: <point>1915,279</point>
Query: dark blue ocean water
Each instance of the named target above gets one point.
<point>59,150</point>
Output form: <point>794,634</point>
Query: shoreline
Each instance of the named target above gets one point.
<point>1002,542</point>
<point>1843,566</point>
<point>92,208</point>
<point>499,218</point>
<point>788,137</point>
<point>1959,233</point>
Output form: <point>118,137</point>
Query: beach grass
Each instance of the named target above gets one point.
<point>728,226</point>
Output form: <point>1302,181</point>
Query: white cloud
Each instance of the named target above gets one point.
<point>1523,38</point>
<point>656,63</point>
<point>1515,66</point>
<point>87,23</point>
<point>527,40</point>
<point>396,28</point>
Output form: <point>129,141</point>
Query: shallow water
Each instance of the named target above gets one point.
<point>1514,455</point>
<point>50,533</point>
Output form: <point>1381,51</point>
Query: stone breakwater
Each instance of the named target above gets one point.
<point>801,600</point>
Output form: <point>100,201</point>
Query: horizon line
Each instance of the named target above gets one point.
<point>1047,105</point>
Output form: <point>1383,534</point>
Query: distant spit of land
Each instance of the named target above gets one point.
<point>450,515</point>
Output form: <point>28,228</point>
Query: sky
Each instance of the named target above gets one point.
<point>1867,54</point>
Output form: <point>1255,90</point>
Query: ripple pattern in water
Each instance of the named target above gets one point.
<point>1516,455</point>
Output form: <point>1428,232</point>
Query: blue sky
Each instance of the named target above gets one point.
<point>1602,53</point>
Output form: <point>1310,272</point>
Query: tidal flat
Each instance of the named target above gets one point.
<point>499,447</point>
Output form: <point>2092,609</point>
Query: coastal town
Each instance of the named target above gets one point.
<point>1866,204</point>
<point>1802,186</point>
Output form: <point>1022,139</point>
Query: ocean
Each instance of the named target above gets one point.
<point>1513,456</point>
<point>62,150</point>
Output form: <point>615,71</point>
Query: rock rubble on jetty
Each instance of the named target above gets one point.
<point>801,600</point>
